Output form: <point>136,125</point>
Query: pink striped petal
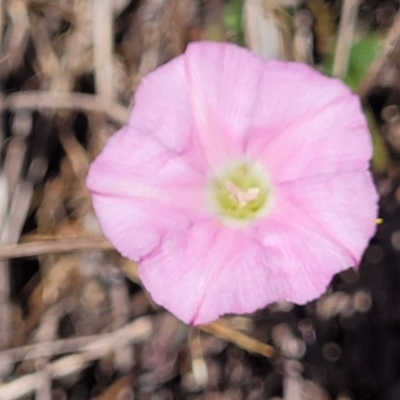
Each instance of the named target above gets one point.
<point>340,207</point>
<point>317,129</point>
<point>223,82</point>
<point>141,190</point>
<point>210,270</point>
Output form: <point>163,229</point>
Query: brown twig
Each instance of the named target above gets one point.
<point>223,331</point>
<point>55,245</point>
<point>16,37</point>
<point>1,21</point>
<point>5,306</point>
<point>47,348</point>
<point>18,202</point>
<point>119,298</point>
<point>48,62</point>
<point>76,58</point>
<point>219,328</point>
<point>135,332</point>
<point>34,100</point>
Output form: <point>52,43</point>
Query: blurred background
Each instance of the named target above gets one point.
<point>74,320</point>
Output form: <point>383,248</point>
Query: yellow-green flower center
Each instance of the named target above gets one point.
<point>240,192</point>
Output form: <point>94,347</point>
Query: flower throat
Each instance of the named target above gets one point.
<point>240,192</point>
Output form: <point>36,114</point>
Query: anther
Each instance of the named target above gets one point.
<point>240,197</point>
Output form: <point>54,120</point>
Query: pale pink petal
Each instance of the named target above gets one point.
<point>161,108</point>
<point>291,92</point>
<point>342,207</point>
<point>335,140</point>
<point>132,165</point>
<point>162,111</point>
<point>179,273</point>
<point>309,125</point>
<point>301,258</point>
<point>222,81</point>
<point>141,190</point>
<point>136,227</point>
<point>246,281</point>
<point>211,270</point>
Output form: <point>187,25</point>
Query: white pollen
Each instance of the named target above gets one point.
<point>240,197</point>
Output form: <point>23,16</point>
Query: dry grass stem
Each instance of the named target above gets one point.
<point>135,332</point>
<point>387,51</point>
<point>348,20</point>
<point>53,100</point>
<point>261,31</point>
<point>103,47</point>
<point>223,331</point>
<point>55,245</point>
<point>5,305</point>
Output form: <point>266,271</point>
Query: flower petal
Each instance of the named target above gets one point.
<point>135,165</point>
<point>137,226</point>
<point>317,228</point>
<point>141,189</point>
<point>320,129</point>
<point>222,81</point>
<point>213,270</point>
<point>342,207</point>
<point>290,92</point>
<point>301,261</point>
<point>178,274</point>
<point>314,231</point>
<point>208,271</point>
<point>162,111</point>
<point>161,107</point>
<point>244,283</point>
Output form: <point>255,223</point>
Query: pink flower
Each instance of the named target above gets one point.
<point>237,182</point>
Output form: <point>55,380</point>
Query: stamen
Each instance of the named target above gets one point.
<point>240,197</point>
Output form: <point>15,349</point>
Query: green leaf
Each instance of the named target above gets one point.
<point>380,157</point>
<point>232,15</point>
<point>362,54</point>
